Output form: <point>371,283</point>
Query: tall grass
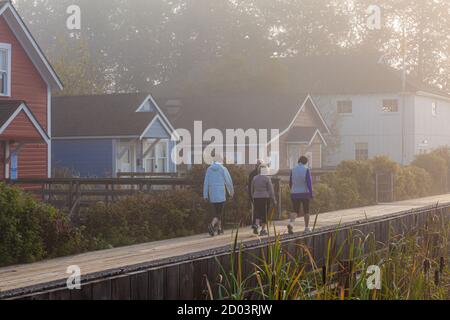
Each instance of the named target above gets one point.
<point>413,265</point>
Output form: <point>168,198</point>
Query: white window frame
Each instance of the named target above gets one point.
<point>434,108</point>
<point>387,111</point>
<point>359,150</point>
<point>340,105</point>
<point>8,48</point>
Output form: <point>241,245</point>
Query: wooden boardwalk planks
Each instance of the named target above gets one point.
<point>187,278</point>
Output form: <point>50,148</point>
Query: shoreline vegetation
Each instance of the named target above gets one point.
<point>409,266</point>
<point>33,231</point>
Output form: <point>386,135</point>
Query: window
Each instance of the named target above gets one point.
<point>345,107</point>
<point>5,69</point>
<point>434,108</point>
<point>362,151</point>
<point>390,106</point>
<point>156,160</point>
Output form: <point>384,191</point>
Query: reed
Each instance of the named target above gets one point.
<point>413,265</point>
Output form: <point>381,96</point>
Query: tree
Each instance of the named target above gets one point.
<point>78,72</point>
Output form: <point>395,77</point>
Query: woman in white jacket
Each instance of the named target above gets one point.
<point>217,183</point>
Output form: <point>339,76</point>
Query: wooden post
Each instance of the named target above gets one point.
<point>377,198</point>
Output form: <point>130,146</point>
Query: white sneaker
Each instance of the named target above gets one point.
<point>307,230</point>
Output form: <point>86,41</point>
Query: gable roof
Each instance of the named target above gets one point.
<point>240,111</point>
<point>112,115</point>
<point>301,134</point>
<point>350,74</point>
<point>11,109</point>
<point>7,109</point>
<point>304,135</point>
<point>29,44</point>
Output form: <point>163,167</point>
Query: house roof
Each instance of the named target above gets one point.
<point>111,115</point>
<point>243,111</point>
<point>10,109</point>
<point>7,109</point>
<point>350,74</point>
<point>26,39</point>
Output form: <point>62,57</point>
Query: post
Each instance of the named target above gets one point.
<point>376,188</point>
<point>7,159</point>
<point>277,188</point>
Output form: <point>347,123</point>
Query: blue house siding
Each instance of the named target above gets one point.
<point>158,131</point>
<point>87,158</point>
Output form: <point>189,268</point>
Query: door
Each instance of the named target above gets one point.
<point>294,153</point>
<point>125,156</point>
<point>156,161</point>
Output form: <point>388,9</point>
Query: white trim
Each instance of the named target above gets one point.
<point>168,125</point>
<point>297,115</point>
<point>31,40</point>
<point>49,131</point>
<point>431,95</point>
<point>95,137</point>
<point>310,142</point>
<point>321,157</point>
<point>321,136</point>
<point>157,117</point>
<point>30,116</point>
<point>8,48</point>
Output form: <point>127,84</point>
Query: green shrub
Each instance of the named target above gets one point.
<point>361,172</point>
<point>143,218</point>
<point>437,167</point>
<point>345,190</point>
<point>31,231</point>
<point>412,182</point>
<point>324,198</point>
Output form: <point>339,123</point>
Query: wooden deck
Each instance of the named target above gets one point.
<point>25,276</point>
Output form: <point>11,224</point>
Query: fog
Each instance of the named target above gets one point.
<point>190,46</point>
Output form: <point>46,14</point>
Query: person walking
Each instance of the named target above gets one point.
<point>262,194</point>
<point>301,192</point>
<point>252,175</point>
<point>216,185</point>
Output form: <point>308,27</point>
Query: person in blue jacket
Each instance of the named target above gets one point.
<point>301,192</point>
<point>217,183</point>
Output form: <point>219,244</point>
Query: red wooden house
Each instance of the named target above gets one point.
<point>26,84</point>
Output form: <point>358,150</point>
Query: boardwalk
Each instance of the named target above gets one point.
<point>22,276</point>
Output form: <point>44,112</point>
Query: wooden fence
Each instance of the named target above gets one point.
<point>74,193</point>
<point>185,277</point>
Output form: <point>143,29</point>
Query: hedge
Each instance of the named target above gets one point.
<point>31,231</point>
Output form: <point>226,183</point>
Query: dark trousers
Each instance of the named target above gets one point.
<point>261,210</point>
<point>298,203</point>
<point>217,210</point>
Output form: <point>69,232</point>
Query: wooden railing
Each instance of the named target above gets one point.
<point>146,175</point>
<point>72,193</point>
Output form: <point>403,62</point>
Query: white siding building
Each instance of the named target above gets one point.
<point>394,125</point>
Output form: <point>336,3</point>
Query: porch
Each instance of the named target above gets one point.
<point>147,156</point>
<point>18,128</point>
